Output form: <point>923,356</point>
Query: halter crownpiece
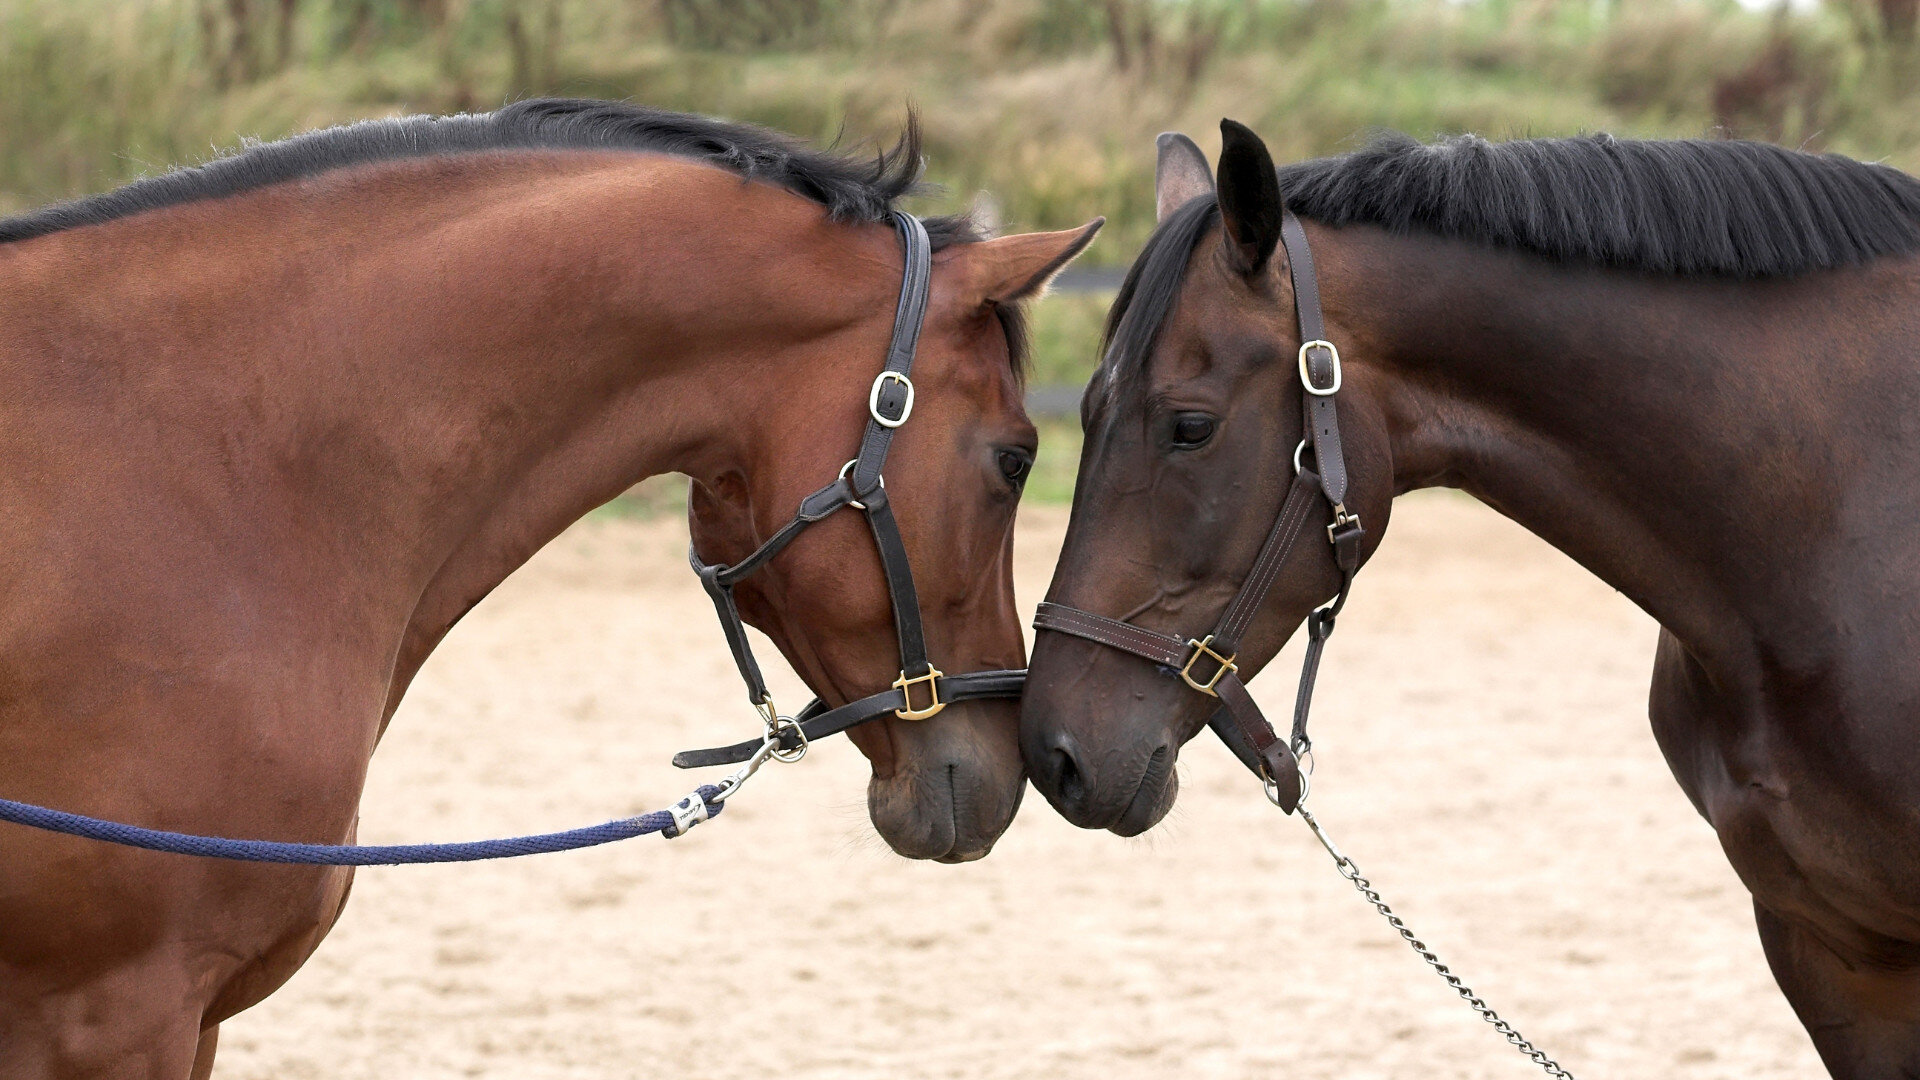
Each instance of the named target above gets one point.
<point>922,690</point>
<point>1207,663</point>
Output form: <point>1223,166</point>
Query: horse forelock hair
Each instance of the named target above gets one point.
<point>1148,293</point>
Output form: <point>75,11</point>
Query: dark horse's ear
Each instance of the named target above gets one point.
<point>1181,175</point>
<point>1249,199</point>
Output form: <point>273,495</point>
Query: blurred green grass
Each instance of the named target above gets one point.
<point>1050,105</point>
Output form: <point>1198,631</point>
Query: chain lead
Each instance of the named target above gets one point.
<point>1351,871</point>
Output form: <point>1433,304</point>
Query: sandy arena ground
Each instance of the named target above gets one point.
<point>1484,756</point>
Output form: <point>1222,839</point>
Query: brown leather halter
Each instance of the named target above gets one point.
<point>922,690</point>
<point>1207,663</point>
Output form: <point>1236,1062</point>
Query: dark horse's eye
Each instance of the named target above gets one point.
<point>1015,465</point>
<point>1192,431</point>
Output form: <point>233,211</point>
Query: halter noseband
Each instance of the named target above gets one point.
<point>1207,663</point>
<point>922,690</point>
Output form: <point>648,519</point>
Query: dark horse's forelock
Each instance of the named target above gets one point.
<point>1151,285</point>
<point>1690,208</point>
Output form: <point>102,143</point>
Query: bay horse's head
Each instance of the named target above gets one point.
<point>945,786</point>
<point>1191,424</point>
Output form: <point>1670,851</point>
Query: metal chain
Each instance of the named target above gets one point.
<point>1351,871</point>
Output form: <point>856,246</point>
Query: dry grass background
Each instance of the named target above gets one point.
<point>1484,755</point>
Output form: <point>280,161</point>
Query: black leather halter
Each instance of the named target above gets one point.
<point>922,690</point>
<point>1207,663</point>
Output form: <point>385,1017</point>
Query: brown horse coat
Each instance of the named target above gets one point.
<point>270,429</point>
<point>1693,367</point>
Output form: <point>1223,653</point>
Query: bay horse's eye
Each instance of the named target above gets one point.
<point>1192,431</point>
<point>1015,465</point>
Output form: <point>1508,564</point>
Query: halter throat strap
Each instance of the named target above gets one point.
<point>1317,494</point>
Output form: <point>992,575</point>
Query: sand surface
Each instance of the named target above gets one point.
<point>1484,755</point>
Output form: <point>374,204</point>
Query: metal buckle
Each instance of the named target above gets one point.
<point>845,471</point>
<point>778,732</point>
<point>873,399</point>
<point>906,685</point>
<point>1341,519</point>
<point>1200,649</point>
<point>1306,380</point>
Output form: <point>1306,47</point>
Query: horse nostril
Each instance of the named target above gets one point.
<point>1067,782</point>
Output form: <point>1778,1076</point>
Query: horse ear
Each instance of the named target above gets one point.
<point>1181,176</point>
<point>1019,267</point>
<point>1250,207</point>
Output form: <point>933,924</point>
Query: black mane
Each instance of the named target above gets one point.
<point>1688,207</point>
<point>1684,208</point>
<point>851,189</point>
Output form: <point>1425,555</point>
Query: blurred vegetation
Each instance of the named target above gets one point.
<point>1052,105</point>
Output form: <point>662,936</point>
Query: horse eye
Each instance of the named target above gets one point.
<point>1192,431</point>
<point>1015,465</point>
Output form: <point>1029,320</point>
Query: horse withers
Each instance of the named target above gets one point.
<point>1692,366</point>
<point>274,424</point>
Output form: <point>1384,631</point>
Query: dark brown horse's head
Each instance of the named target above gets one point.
<point>1191,424</point>
<point>944,787</point>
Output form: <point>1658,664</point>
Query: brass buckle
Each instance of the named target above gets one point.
<point>1200,649</point>
<point>906,685</point>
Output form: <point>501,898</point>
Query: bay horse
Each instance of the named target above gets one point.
<point>274,424</point>
<point>1693,366</point>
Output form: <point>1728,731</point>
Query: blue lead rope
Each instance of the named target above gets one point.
<point>266,851</point>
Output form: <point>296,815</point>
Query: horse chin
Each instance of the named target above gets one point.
<point>949,807</point>
<point>941,814</point>
<point>1159,787</point>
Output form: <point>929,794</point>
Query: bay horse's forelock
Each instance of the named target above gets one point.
<point>1736,457</point>
<point>263,451</point>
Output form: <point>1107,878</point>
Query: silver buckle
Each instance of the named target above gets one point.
<point>1341,518</point>
<point>873,399</point>
<point>1306,380</point>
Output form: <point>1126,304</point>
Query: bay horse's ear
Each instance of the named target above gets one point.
<point>1249,199</point>
<point>1019,267</point>
<point>1181,176</point>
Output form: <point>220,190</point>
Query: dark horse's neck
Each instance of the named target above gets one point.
<point>1724,453</point>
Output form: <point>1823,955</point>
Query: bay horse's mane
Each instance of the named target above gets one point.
<point>1684,208</point>
<point>852,189</point>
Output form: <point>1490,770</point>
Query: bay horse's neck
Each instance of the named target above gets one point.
<point>1699,445</point>
<point>453,359</point>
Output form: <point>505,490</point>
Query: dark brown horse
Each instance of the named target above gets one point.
<point>1694,367</point>
<point>271,426</point>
